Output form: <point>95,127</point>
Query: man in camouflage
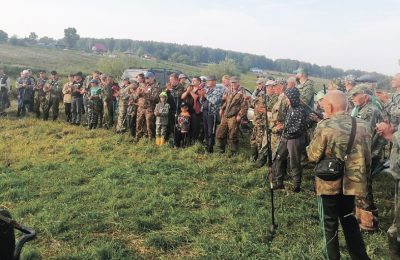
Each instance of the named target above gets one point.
<point>123,105</point>
<point>391,134</point>
<point>258,103</point>
<point>39,99</point>
<point>174,90</point>
<point>52,95</point>
<point>131,110</point>
<point>366,210</point>
<point>147,97</point>
<point>306,87</point>
<point>349,83</point>
<point>391,105</point>
<point>108,106</point>
<point>5,86</point>
<point>276,121</point>
<point>336,198</point>
<point>231,113</point>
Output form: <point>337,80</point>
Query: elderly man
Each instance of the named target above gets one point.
<point>291,82</point>
<point>25,91</point>
<point>366,110</point>
<point>336,196</point>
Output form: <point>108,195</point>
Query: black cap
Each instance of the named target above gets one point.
<point>184,104</point>
<point>79,73</point>
<point>42,71</point>
<point>53,72</point>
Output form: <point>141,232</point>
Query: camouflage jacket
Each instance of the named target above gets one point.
<point>235,104</point>
<point>392,108</point>
<point>258,101</point>
<point>107,93</point>
<point>278,113</point>
<point>395,157</point>
<point>163,109</point>
<point>124,93</point>
<point>330,141</point>
<point>55,87</point>
<point>40,84</point>
<point>370,113</point>
<point>147,96</point>
<point>307,92</point>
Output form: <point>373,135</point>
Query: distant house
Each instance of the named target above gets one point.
<point>99,48</point>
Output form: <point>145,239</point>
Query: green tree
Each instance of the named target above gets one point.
<point>227,66</point>
<point>3,36</point>
<point>32,37</point>
<point>71,37</point>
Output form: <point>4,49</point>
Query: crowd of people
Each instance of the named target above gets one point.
<point>352,122</point>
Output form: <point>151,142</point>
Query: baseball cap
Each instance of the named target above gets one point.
<point>260,81</point>
<point>234,79</point>
<point>182,76</point>
<point>211,78</point>
<point>270,83</point>
<point>361,89</point>
<point>301,70</point>
<point>149,74</point>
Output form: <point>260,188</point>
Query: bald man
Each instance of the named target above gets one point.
<point>336,197</point>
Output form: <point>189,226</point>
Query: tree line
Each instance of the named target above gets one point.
<point>182,53</point>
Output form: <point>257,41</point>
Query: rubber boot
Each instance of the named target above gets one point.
<point>369,220</point>
<point>162,141</point>
<point>158,141</point>
<point>222,145</point>
<point>261,160</point>
<point>254,153</point>
<point>234,147</point>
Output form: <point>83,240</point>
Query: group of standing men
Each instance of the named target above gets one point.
<point>285,109</point>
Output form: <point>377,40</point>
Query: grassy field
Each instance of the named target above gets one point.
<point>98,195</point>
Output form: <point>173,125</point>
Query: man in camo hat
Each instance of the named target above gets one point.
<point>366,211</point>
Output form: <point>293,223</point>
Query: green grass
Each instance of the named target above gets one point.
<point>98,195</point>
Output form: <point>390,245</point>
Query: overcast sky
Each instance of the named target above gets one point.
<point>351,34</point>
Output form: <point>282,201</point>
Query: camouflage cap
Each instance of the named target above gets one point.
<point>260,81</point>
<point>234,79</point>
<point>281,81</point>
<point>362,89</point>
<point>301,70</point>
<point>182,76</point>
<point>163,94</point>
<point>270,83</point>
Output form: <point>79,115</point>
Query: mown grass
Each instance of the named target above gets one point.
<point>98,195</point>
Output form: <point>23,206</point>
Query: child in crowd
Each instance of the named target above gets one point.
<point>94,104</point>
<point>183,126</point>
<point>161,112</point>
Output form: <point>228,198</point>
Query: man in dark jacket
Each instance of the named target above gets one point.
<point>292,141</point>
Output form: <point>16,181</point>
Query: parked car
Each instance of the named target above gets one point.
<point>162,74</point>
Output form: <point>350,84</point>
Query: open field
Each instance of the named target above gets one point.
<point>97,195</point>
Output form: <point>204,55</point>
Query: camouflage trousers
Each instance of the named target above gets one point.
<point>257,135</point>
<point>145,122</point>
<point>122,116</point>
<point>228,129</point>
<point>131,118</point>
<point>108,114</point>
<point>161,130</point>
<point>50,101</point>
<point>38,99</point>
<point>93,110</point>
<point>3,100</point>
<point>275,139</point>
